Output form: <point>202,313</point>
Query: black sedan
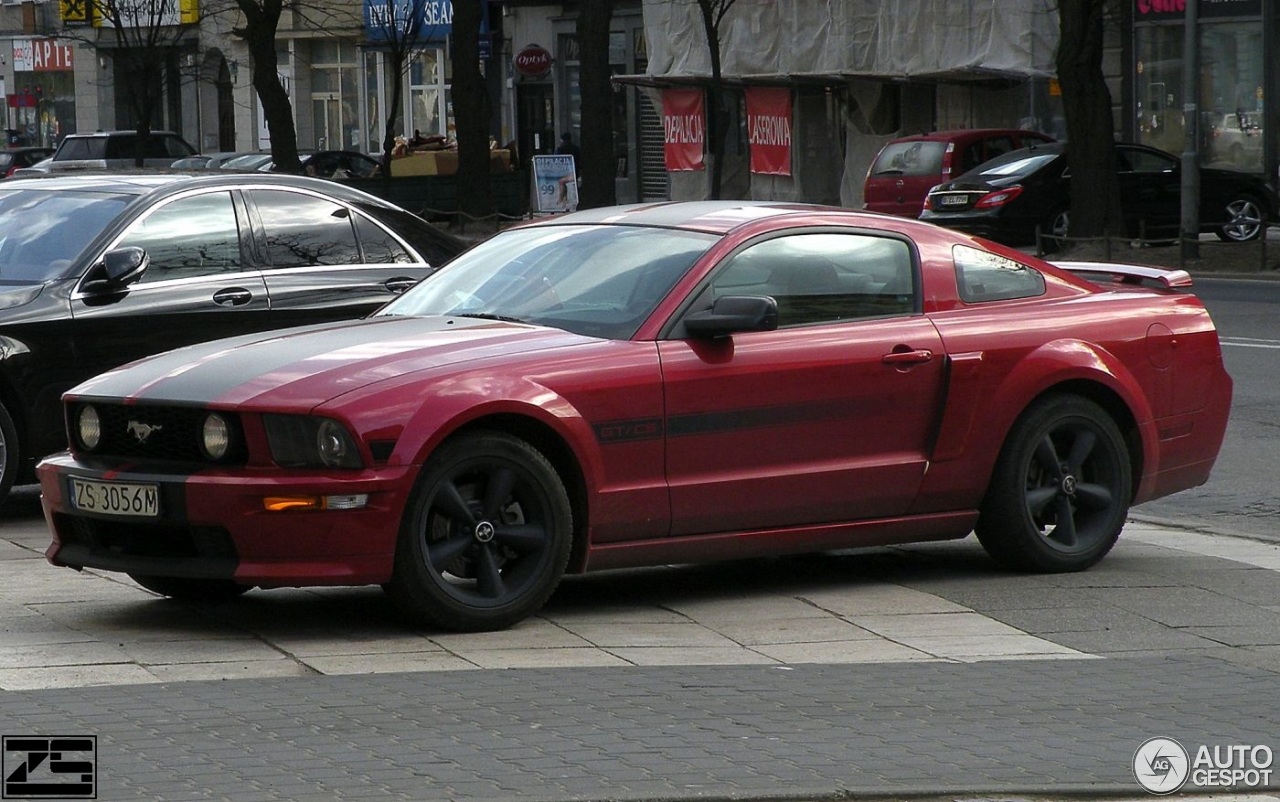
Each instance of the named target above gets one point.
<point>1006,198</point>
<point>99,269</point>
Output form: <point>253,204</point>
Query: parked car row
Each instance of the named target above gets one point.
<point>165,149</point>
<point>1010,185</point>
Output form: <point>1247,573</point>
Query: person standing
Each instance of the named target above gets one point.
<point>568,148</point>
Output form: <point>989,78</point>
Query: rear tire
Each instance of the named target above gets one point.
<point>1060,491</point>
<point>1243,220</point>
<point>192,590</point>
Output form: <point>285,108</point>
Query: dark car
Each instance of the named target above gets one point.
<point>322,164</point>
<point>907,168</point>
<point>645,385</point>
<point>17,158</point>
<point>98,269</point>
<point>1008,197</point>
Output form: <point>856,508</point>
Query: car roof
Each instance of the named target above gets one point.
<point>715,217</point>
<point>964,133</point>
<point>140,182</point>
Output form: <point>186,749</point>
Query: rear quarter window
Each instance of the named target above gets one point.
<point>983,277</point>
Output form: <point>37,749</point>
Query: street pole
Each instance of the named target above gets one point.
<point>1191,133</point>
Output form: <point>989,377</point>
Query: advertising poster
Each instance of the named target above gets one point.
<point>769,130</point>
<point>684,129</point>
<point>555,184</point>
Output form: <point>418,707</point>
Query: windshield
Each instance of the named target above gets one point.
<point>600,280</point>
<point>42,232</point>
<point>910,159</point>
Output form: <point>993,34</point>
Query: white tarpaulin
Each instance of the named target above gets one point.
<point>870,38</point>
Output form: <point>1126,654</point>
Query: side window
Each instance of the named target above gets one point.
<point>380,248</point>
<point>998,146</point>
<point>983,276</point>
<point>303,230</point>
<point>971,157</point>
<point>193,236</point>
<point>824,278</point>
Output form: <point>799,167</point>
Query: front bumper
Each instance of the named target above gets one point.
<point>213,524</point>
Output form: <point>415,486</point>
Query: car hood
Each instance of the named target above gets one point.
<point>13,296</point>
<point>308,366</point>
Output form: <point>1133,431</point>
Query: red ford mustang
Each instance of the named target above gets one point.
<point>652,384</point>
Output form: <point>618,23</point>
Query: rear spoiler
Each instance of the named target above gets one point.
<point>1107,272</point>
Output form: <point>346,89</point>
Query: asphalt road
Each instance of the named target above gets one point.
<point>1240,496</point>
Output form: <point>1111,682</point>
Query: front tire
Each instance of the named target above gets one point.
<point>10,454</point>
<point>1244,220</point>
<point>1061,489</point>
<point>192,590</point>
<point>485,537</point>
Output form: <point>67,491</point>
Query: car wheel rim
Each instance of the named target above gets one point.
<point>1060,224</point>
<point>1074,486</point>
<point>1244,220</point>
<point>487,535</point>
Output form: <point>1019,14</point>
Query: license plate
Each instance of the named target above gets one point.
<point>116,498</point>
<point>953,200</point>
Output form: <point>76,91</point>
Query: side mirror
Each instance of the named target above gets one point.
<point>117,270</point>
<point>734,313</point>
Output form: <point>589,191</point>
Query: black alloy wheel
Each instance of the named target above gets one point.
<point>485,537</point>
<point>1061,489</point>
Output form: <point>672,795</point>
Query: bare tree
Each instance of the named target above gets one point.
<point>597,168</point>
<point>261,22</point>
<point>713,13</point>
<point>471,111</point>
<point>143,38</point>
<point>1086,103</point>
<point>401,28</point>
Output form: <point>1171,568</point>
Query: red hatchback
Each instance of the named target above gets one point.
<point>907,168</point>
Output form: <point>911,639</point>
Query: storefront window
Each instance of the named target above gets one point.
<point>43,104</point>
<point>334,96</point>
<point>1230,93</point>
<point>427,87</point>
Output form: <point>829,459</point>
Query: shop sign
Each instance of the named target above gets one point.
<point>388,20</point>
<point>533,61</point>
<point>1177,9</point>
<point>769,130</point>
<point>684,128</point>
<point>42,55</point>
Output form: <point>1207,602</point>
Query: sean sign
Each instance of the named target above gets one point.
<point>769,130</point>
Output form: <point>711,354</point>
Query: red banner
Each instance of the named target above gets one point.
<point>769,130</point>
<point>684,126</point>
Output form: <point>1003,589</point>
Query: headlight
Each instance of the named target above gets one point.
<point>300,441</point>
<point>88,427</point>
<point>215,437</point>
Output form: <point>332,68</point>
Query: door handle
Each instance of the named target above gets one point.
<point>399,284</point>
<point>908,357</point>
<point>233,296</point>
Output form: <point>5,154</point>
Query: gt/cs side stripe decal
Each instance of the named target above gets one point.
<point>703,423</point>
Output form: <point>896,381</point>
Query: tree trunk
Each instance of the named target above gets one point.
<point>471,111</point>
<point>597,164</point>
<point>1095,190</point>
<point>259,34</point>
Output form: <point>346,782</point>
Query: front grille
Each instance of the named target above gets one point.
<point>160,433</point>
<point>142,548</point>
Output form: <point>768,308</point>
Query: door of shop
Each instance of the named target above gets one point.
<point>535,119</point>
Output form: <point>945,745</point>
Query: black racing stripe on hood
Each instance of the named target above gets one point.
<point>208,371</point>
